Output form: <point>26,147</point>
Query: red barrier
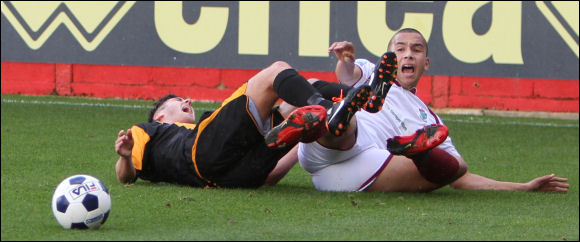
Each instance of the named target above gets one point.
<point>213,84</point>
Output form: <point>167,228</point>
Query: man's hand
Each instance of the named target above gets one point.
<point>124,144</point>
<point>548,183</point>
<point>343,50</point>
<point>346,71</point>
<point>124,168</point>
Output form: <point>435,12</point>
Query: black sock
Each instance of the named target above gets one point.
<point>331,89</point>
<point>296,90</point>
<point>317,99</point>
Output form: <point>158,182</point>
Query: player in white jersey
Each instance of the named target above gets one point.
<point>366,156</point>
<point>361,161</point>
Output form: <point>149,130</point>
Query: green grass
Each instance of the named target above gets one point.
<point>46,139</point>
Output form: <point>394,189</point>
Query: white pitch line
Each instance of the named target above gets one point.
<point>107,105</point>
<point>473,121</point>
<point>74,104</point>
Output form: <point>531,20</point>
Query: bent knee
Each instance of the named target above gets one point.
<point>462,168</point>
<point>313,80</point>
<point>462,165</point>
<point>280,65</point>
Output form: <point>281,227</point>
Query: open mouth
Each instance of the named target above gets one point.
<point>186,109</point>
<point>408,69</point>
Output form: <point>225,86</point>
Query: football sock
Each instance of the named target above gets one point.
<point>330,89</point>
<point>437,166</point>
<point>296,90</point>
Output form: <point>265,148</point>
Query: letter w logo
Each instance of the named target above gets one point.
<point>88,22</point>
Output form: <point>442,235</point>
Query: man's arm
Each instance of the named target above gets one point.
<point>124,168</point>
<point>550,183</point>
<point>283,167</point>
<point>126,173</point>
<point>346,71</point>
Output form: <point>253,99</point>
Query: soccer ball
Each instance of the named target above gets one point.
<point>81,202</point>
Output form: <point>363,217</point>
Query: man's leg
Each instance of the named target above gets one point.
<point>279,80</point>
<point>434,164</point>
<point>344,109</point>
<point>401,175</point>
<point>297,91</point>
<point>438,166</point>
<point>302,124</point>
<point>261,88</point>
<point>305,124</point>
<point>339,114</point>
<point>328,91</point>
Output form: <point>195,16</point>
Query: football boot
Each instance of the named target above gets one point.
<point>381,81</point>
<point>422,140</point>
<point>344,108</point>
<point>305,124</point>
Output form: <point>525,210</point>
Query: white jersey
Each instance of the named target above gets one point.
<point>403,113</point>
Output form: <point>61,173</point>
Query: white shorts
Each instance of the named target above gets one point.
<point>354,174</point>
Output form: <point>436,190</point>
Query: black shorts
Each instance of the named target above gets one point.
<point>230,151</point>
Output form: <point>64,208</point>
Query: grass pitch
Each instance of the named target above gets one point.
<point>46,139</point>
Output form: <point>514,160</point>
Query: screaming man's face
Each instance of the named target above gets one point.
<point>411,50</point>
<point>175,110</point>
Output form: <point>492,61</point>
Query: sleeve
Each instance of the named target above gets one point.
<point>367,69</point>
<point>140,138</point>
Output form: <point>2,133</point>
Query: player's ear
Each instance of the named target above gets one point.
<point>158,117</point>
<point>427,63</point>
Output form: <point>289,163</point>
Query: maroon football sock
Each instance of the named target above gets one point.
<point>437,166</point>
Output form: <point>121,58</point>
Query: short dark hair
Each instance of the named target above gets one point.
<point>409,30</point>
<point>158,104</point>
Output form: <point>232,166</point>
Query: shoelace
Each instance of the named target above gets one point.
<point>339,98</point>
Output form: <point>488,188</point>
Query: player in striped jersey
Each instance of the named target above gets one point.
<point>227,148</point>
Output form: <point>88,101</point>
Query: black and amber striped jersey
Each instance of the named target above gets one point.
<point>225,149</point>
<point>162,153</point>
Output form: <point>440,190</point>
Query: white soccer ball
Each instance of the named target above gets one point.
<point>81,202</point>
